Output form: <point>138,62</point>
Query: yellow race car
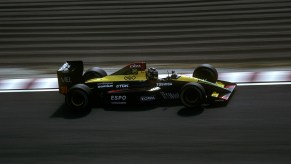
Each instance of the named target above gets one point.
<point>137,85</point>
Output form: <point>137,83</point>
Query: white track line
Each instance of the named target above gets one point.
<point>271,76</point>
<point>14,84</point>
<point>241,78</point>
<point>45,83</point>
<point>262,84</point>
<point>30,90</point>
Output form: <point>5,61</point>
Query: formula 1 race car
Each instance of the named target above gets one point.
<point>136,85</point>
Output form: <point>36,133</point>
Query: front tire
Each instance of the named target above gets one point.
<point>193,95</point>
<point>78,97</point>
<point>206,72</point>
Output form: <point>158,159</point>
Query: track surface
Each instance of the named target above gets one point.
<point>253,128</point>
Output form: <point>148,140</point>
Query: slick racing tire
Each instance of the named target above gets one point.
<point>193,95</point>
<point>78,98</point>
<point>94,72</point>
<point>206,72</point>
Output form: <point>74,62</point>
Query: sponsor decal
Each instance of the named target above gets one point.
<point>164,84</point>
<point>105,85</point>
<point>135,66</point>
<point>122,85</point>
<point>169,95</point>
<point>66,79</point>
<point>129,77</point>
<point>118,98</point>
<point>63,89</point>
<point>134,71</point>
<point>65,68</point>
<point>147,98</point>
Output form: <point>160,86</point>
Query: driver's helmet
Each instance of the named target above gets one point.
<point>152,74</point>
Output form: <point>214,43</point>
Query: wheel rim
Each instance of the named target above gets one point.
<point>77,100</point>
<point>190,97</point>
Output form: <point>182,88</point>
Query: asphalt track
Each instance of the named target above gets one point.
<point>253,128</point>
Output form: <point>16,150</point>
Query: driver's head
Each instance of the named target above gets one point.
<point>152,74</point>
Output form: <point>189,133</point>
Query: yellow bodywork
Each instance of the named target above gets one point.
<point>186,78</point>
<point>215,94</point>
<point>140,76</point>
<point>220,84</point>
<point>196,80</point>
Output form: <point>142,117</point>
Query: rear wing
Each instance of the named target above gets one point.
<point>69,74</point>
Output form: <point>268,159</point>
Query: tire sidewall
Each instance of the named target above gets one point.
<point>206,72</point>
<point>197,93</point>
<point>78,98</point>
<point>94,72</point>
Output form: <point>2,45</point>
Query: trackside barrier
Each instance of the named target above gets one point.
<point>237,77</point>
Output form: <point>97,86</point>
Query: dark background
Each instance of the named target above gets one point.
<point>42,34</point>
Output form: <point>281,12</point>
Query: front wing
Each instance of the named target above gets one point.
<point>225,95</point>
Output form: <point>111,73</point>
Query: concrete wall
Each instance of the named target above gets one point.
<point>50,31</point>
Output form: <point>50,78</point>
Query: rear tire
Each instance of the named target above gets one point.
<point>193,95</point>
<point>78,97</point>
<point>94,72</point>
<point>206,72</point>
